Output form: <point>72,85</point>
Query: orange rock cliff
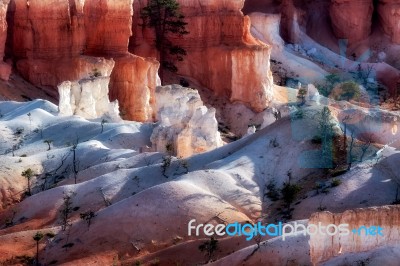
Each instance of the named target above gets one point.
<point>5,69</point>
<point>52,41</point>
<point>324,247</point>
<point>222,54</point>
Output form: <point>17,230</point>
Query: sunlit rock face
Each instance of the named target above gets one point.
<point>184,122</point>
<point>133,85</point>
<point>324,247</point>
<point>58,40</point>
<point>5,69</point>
<point>389,14</point>
<point>222,54</point>
<point>351,19</point>
<point>88,97</point>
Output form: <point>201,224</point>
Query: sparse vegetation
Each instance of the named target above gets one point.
<point>299,114</point>
<point>289,193</point>
<point>18,131</point>
<point>165,18</point>
<point>272,192</point>
<point>166,163</point>
<point>326,131</point>
<point>28,174</point>
<point>274,143</point>
<point>88,216</point>
<point>75,162</point>
<point>10,221</point>
<point>66,210</point>
<point>167,159</point>
<point>95,73</point>
<point>336,182</point>
<point>209,247</point>
<point>48,142</point>
<point>37,237</point>
<point>103,122</point>
<point>347,91</point>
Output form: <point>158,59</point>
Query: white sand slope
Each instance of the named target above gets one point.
<point>138,210</point>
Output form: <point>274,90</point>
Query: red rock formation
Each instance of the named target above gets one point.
<point>58,40</point>
<point>222,54</point>
<point>351,19</point>
<point>389,14</point>
<point>289,22</point>
<point>324,247</point>
<point>5,69</point>
<point>133,84</point>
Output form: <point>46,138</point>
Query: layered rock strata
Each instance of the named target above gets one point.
<point>5,69</point>
<point>58,40</point>
<point>324,247</point>
<point>222,54</point>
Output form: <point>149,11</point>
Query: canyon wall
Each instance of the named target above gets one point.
<point>351,19</point>
<point>53,41</point>
<point>324,247</point>
<point>5,69</point>
<point>222,54</point>
<point>58,40</point>
<point>389,14</point>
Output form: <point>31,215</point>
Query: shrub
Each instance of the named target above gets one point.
<point>336,182</point>
<point>346,91</point>
<point>289,192</point>
<point>299,114</point>
<point>272,193</point>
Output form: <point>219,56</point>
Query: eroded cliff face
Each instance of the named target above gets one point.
<point>185,125</point>
<point>5,69</point>
<point>59,40</point>
<point>324,247</point>
<point>89,97</point>
<point>222,54</point>
<point>351,19</point>
<point>389,14</point>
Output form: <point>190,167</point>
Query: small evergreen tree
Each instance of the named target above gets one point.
<point>88,216</point>
<point>349,90</point>
<point>37,237</point>
<point>66,210</point>
<point>165,18</point>
<point>28,174</point>
<point>48,142</point>
<point>326,131</point>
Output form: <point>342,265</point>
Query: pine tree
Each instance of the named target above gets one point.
<point>165,18</point>
<point>37,237</point>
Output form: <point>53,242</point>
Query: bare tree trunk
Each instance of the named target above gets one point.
<point>37,253</point>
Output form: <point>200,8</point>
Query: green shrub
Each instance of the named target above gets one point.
<point>336,182</point>
<point>289,192</point>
